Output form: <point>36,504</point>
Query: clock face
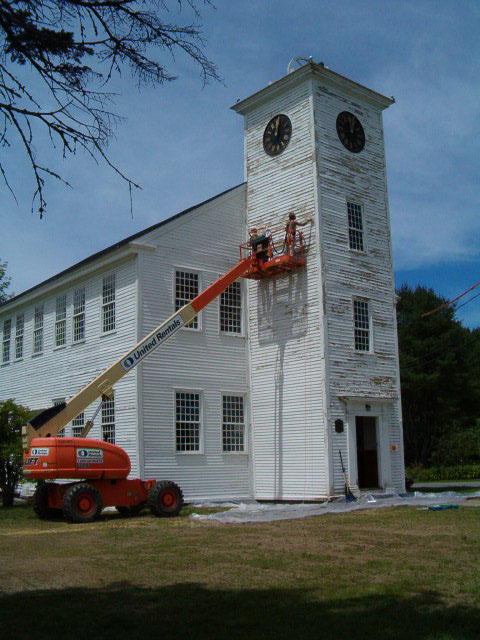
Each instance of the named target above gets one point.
<point>277,135</point>
<point>350,132</point>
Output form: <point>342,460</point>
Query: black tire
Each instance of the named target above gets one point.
<point>134,510</point>
<point>82,503</point>
<point>40,503</point>
<point>165,499</point>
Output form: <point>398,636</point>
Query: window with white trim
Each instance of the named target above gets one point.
<point>108,303</point>
<point>355,226</point>
<point>361,320</point>
<point>19,330</point>
<point>231,309</point>
<point>233,423</point>
<point>187,421</point>
<point>61,321</point>
<point>7,332</point>
<point>77,425</point>
<point>38,330</point>
<point>79,314</point>
<point>56,402</point>
<point>186,288</point>
<point>108,420</point>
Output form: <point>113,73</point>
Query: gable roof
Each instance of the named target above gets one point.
<point>114,247</point>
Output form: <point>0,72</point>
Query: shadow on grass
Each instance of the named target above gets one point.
<point>193,611</point>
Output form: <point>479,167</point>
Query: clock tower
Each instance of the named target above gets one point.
<point>323,358</point>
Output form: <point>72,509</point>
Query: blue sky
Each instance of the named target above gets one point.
<point>183,144</point>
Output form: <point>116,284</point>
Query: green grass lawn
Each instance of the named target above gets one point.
<point>386,573</point>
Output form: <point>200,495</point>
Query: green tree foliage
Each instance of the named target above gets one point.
<point>12,418</point>
<point>57,56</point>
<point>439,369</point>
<point>4,282</point>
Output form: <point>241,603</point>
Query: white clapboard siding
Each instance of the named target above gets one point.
<point>361,178</point>
<point>205,240</point>
<point>285,332</point>
<point>58,373</point>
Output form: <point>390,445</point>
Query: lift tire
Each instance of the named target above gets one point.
<point>165,499</point>
<point>82,503</point>
<point>40,503</point>
<point>134,510</point>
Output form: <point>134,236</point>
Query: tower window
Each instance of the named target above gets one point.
<point>361,319</point>
<point>187,422</point>
<point>355,226</point>
<point>233,424</point>
<point>186,288</point>
<point>231,309</point>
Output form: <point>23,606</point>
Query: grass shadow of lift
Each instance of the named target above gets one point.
<point>123,610</point>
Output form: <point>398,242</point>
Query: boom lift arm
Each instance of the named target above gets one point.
<point>49,422</point>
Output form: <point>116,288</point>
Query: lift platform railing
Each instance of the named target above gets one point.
<point>275,252</point>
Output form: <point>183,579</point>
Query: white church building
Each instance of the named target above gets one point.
<point>276,377</point>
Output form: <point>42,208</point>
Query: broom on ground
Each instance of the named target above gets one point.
<point>348,494</point>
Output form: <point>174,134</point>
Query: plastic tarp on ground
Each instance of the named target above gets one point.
<point>252,511</point>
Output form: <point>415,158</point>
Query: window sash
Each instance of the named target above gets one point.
<point>61,321</point>
<point>77,425</point>
<point>19,330</point>
<point>7,332</point>
<point>355,226</point>
<point>361,316</point>
<point>187,422</point>
<point>108,303</point>
<point>186,288</point>
<point>233,424</point>
<point>79,314</point>
<point>231,309</point>
<point>108,420</point>
<point>38,330</point>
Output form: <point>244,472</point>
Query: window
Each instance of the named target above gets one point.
<point>38,330</point>
<point>7,330</point>
<point>108,420</point>
<point>79,314</point>
<point>355,226</point>
<point>19,329</point>
<point>187,421</point>
<point>77,425</point>
<point>233,424</point>
<point>186,288</point>
<point>231,309</point>
<point>361,318</point>
<point>108,304</point>
<point>56,402</point>
<point>61,321</point>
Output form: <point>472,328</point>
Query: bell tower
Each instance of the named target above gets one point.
<point>322,340</point>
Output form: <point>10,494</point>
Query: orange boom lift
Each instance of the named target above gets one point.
<point>99,469</point>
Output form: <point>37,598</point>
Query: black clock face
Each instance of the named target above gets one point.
<point>277,135</point>
<point>350,132</point>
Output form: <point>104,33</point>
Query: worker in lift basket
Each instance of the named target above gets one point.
<point>259,242</point>
<point>291,230</point>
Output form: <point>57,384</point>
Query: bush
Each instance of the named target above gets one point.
<point>444,474</point>
<point>458,446</point>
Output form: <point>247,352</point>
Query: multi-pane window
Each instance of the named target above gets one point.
<point>19,329</point>
<point>108,304</point>
<point>79,314</point>
<point>231,309</point>
<point>56,402</point>
<point>233,424</point>
<point>186,288</point>
<point>77,425</point>
<point>187,421</point>
<point>7,331</point>
<point>108,420</point>
<point>61,321</point>
<point>355,226</point>
<point>38,330</point>
<point>361,319</point>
